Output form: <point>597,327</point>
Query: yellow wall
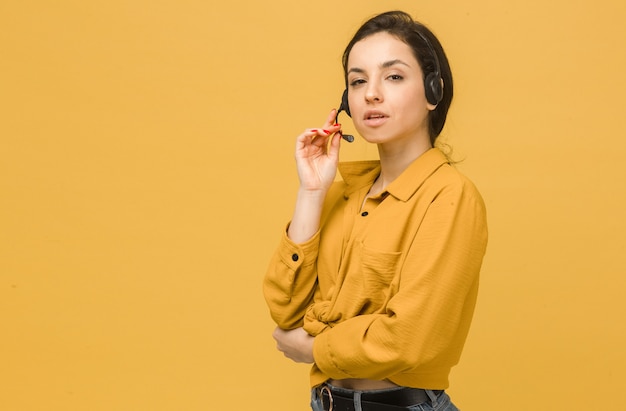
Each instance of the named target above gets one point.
<point>146,171</point>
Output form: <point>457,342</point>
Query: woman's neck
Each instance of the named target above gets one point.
<point>394,160</point>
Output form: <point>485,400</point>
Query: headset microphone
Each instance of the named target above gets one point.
<point>345,107</point>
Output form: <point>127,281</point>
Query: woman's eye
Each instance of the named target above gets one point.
<point>395,77</point>
<point>356,82</point>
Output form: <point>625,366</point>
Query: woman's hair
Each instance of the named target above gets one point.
<point>413,33</point>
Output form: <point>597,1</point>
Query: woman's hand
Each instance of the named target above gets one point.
<point>316,159</point>
<point>296,344</point>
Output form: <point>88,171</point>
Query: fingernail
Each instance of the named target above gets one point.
<point>314,130</point>
<point>337,125</point>
<point>326,131</point>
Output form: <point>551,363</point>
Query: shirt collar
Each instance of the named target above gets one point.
<point>359,174</point>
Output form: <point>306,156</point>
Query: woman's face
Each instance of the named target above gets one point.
<point>386,91</point>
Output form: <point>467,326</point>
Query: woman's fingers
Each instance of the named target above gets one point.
<point>319,132</point>
<point>317,155</point>
<point>318,137</point>
<point>331,119</point>
<point>334,127</point>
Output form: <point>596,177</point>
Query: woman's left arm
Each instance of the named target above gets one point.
<point>428,318</point>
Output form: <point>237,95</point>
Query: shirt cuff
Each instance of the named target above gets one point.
<point>295,255</point>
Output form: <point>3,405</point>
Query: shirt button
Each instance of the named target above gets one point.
<point>364,213</point>
<point>294,257</point>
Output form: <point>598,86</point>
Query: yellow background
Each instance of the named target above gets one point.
<point>146,172</point>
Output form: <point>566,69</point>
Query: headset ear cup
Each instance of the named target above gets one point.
<point>433,89</point>
<point>344,103</point>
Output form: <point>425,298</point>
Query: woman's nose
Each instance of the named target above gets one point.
<point>373,93</point>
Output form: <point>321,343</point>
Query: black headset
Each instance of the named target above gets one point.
<point>432,82</point>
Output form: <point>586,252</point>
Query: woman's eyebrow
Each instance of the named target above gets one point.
<point>386,64</point>
<point>356,70</point>
<point>390,63</point>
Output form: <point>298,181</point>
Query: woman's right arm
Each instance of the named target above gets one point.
<point>291,279</point>
<point>316,162</point>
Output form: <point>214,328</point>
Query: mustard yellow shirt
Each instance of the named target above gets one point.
<point>386,287</point>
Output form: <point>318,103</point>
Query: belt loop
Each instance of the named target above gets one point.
<point>357,401</point>
<point>433,397</point>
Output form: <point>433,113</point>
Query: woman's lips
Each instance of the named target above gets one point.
<point>374,118</point>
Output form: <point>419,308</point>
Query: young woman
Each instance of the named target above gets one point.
<point>375,279</point>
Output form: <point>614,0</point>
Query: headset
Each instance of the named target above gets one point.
<point>432,82</point>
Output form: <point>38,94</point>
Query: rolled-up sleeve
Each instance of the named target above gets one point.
<point>427,320</point>
<point>290,282</point>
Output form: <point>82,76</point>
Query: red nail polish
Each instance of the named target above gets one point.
<point>326,131</point>
<point>314,130</point>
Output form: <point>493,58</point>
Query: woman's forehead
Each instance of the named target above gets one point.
<point>378,49</point>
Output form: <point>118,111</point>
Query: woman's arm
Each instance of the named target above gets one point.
<point>291,278</point>
<point>316,162</point>
<point>296,344</point>
<point>425,323</point>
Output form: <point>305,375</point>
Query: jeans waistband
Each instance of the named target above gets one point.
<point>395,399</point>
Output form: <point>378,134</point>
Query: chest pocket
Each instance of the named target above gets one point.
<point>379,279</point>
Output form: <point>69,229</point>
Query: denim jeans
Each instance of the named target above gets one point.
<point>437,403</point>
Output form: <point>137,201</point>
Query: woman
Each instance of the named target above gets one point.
<point>375,279</point>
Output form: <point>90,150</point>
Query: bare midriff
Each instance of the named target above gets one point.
<point>362,384</point>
